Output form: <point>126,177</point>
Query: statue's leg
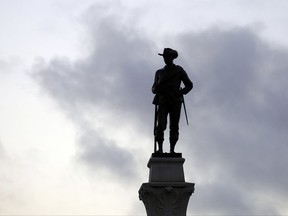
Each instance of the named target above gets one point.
<point>161,126</point>
<point>175,112</point>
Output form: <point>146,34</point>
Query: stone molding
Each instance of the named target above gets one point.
<point>166,198</point>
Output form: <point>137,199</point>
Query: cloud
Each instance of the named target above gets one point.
<point>236,144</point>
<point>239,114</point>
<point>110,88</point>
<point>101,153</point>
<point>2,152</point>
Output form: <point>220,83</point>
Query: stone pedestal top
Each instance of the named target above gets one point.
<point>165,160</point>
<point>166,169</point>
<point>167,155</point>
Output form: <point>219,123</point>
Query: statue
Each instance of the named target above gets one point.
<point>168,99</point>
<point>167,193</point>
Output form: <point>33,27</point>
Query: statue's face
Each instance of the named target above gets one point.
<point>168,60</point>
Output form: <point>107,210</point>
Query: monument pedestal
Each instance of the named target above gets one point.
<point>166,193</point>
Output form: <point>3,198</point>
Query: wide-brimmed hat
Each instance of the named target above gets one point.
<point>169,52</point>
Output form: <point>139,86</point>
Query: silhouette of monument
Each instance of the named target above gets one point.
<point>167,193</point>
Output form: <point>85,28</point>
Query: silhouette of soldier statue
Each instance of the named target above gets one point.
<point>168,99</point>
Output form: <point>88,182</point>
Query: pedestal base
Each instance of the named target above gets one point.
<point>166,193</point>
<point>166,198</point>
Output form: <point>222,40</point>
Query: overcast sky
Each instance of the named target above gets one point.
<point>76,118</point>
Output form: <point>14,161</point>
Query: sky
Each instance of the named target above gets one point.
<point>76,113</point>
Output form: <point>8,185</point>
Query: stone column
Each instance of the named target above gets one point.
<point>166,193</point>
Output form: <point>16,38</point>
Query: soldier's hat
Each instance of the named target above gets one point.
<point>169,52</point>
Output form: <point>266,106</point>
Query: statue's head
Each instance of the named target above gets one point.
<point>168,52</point>
<point>169,55</point>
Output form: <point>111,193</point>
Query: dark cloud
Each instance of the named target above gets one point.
<point>103,154</point>
<point>237,140</point>
<point>239,113</point>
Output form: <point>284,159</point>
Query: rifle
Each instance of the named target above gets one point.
<point>185,111</point>
<point>155,125</point>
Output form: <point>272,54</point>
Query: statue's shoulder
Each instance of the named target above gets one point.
<point>179,68</point>
<point>181,71</point>
<point>160,70</point>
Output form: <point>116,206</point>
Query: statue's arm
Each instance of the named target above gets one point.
<point>155,84</point>
<point>188,84</point>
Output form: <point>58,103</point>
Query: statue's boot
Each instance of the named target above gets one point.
<point>172,147</point>
<point>160,147</point>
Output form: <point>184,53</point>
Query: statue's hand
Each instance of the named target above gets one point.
<point>154,89</point>
<point>180,93</point>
